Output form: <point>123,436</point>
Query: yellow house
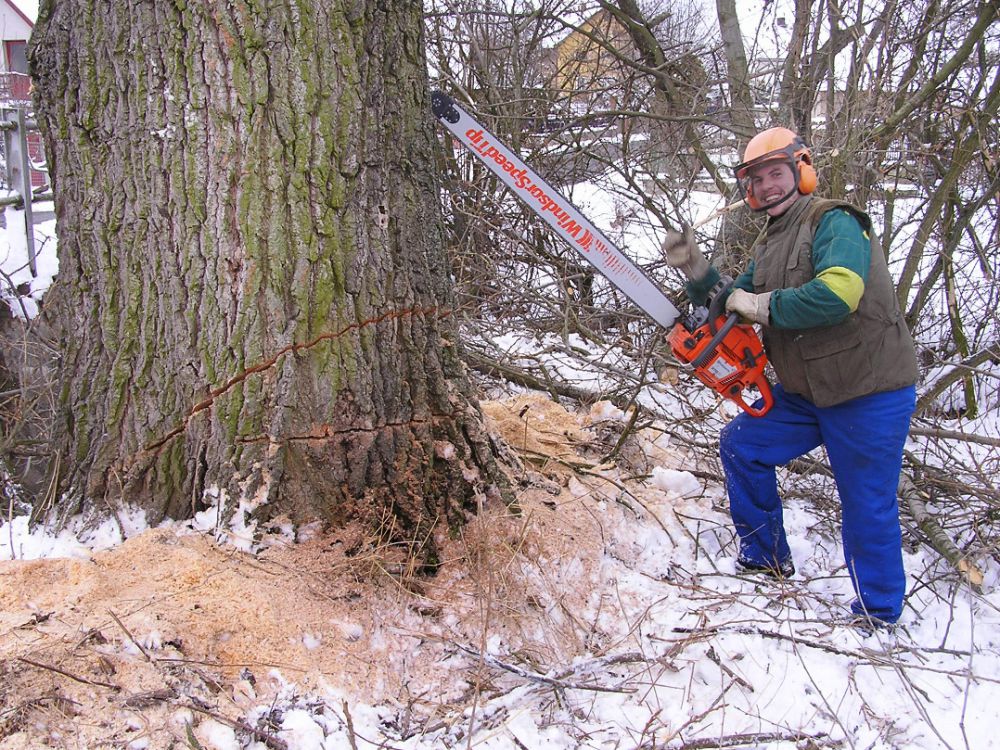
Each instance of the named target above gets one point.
<point>594,66</point>
<point>586,66</point>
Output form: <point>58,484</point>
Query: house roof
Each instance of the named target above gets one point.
<point>10,4</point>
<point>572,25</point>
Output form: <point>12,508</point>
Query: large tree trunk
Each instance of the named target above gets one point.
<point>253,291</point>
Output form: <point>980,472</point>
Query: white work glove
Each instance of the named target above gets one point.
<point>752,307</point>
<point>682,253</point>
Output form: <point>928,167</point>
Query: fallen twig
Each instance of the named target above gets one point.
<point>739,680</point>
<point>130,636</point>
<point>752,739</point>
<point>64,673</point>
<point>534,676</point>
<point>936,536</point>
<point>139,700</point>
<point>31,703</point>
<point>867,656</point>
<point>494,368</point>
<point>964,437</point>
<point>276,743</point>
<point>743,630</point>
<point>350,727</point>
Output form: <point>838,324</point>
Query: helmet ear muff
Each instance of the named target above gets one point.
<point>807,172</point>
<point>807,177</point>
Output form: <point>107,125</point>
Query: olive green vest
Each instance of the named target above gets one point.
<point>870,352</point>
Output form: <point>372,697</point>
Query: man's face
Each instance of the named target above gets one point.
<point>772,180</point>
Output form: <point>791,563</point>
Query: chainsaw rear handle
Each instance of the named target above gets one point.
<point>749,376</point>
<point>760,382</point>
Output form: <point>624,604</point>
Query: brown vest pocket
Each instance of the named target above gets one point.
<point>836,363</point>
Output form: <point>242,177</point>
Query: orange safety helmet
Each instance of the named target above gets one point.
<point>776,144</point>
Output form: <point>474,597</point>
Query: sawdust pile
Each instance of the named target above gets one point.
<point>167,631</point>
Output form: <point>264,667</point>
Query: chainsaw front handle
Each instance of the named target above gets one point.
<point>720,334</point>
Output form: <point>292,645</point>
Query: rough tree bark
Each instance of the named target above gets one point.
<point>253,289</point>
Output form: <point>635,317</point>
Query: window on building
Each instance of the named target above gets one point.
<point>17,56</point>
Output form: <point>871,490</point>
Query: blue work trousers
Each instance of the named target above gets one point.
<point>864,440</point>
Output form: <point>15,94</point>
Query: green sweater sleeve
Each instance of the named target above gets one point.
<point>697,291</point>
<point>841,254</point>
<point>745,280</point>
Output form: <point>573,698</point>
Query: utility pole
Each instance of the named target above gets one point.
<point>15,129</point>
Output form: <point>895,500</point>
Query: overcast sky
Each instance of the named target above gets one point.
<point>28,7</point>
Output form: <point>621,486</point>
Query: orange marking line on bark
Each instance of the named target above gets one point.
<point>328,432</point>
<point>290,349</point>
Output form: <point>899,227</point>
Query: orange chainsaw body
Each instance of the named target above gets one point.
<point>727,356</point>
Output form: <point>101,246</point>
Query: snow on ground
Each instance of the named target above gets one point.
<point>14,258</point>
<point>608,614</point>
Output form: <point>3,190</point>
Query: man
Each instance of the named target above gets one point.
<point>819,287</point>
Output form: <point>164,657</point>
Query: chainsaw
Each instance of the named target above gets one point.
<point>726,355</point>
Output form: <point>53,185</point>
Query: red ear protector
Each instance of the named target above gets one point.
<point>795,154</point>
